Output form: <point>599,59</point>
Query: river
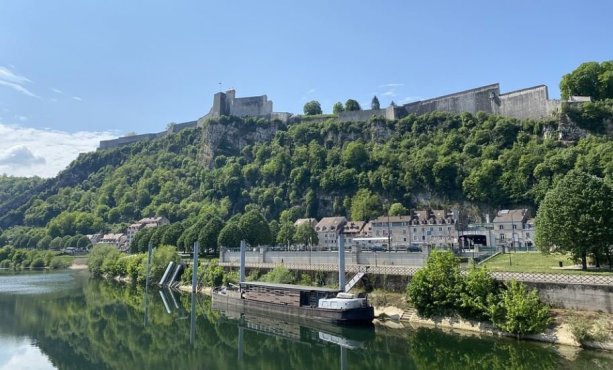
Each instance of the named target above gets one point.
<point>65,320</point>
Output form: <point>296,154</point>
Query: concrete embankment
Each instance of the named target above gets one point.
<point>558,334</point>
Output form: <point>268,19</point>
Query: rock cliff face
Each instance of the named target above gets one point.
<point>229,135</point>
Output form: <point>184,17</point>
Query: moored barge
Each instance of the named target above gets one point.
<point>313,303</point>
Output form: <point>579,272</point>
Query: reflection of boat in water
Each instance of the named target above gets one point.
<point>297,328</point>
<point>313,303</point>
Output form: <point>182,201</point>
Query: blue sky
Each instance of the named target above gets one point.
<point>85,70</point>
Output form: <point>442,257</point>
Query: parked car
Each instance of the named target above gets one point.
<point>413,248</point>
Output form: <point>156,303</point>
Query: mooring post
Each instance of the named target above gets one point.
<point>341,263</point>
<point>195,266</point>
<point>242,262</point>
<point>149,252</point>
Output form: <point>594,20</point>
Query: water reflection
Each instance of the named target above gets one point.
<point>109,326</point>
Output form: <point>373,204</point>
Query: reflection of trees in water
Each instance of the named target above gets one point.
<point>104,328</point>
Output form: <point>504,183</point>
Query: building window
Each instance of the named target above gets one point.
<point>414,229</point>
<point>415,237</point>
<point>449,229</point>
<point>514,227</point>
<point>440,229</point>
<point>405,239</point>
<point>423,237</point>
<point>501,236</point>
<point>501,227</point>
<point>527,235</point>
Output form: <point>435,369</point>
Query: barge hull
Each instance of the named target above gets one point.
<point>362,315</point>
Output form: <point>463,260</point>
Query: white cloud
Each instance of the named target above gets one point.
<point>15,81</point>
<point>29,152</point>
<point>22,118</point>
<point>311,91</point>
<point>21,156</point>
<point>57,91</point>
<point>17,355</point>
<point>391,85</point>
<point>77,98</point>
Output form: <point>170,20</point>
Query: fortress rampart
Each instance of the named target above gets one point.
<point>529,103</point>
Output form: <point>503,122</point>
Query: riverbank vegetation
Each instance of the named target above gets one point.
<point>439,289</point>
<point>106,261</point>
<point>17,259</point>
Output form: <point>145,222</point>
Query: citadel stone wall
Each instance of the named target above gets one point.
<point>106,144</point>
<point>472,101</point>
<point>530,103</point>
<point>114,143</point>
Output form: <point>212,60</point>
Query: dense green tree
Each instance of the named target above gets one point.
<point>338,108</point>
<point>56,243</point>
<point>306,235</point>
<point>84,242</point>
<point>254,228</point>
<point>230,236</point>
<point>209,235</point>
<point>397,209</point>
<point>355,155</point>
<point>286,233</point>
<point>374,104</point>
<point>312,108</point>
<point>172,234</point>
<point>44,243</point>
<point>589,79</point>
<point>352,105</point>
<point>575,216</point>
<point>365,206</point>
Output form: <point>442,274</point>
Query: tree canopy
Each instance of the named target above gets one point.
<point>374,104</point>
<point>312,108</point>
<point>589,79</point>
<point>575,216</point>
<point>338,108</point>
<point>352,105</point>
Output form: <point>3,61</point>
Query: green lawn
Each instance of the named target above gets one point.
<point>538,262</point>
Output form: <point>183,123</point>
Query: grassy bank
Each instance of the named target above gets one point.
<point>539,262</point>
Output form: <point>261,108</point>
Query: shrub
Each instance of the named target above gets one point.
<point>97,257</point>
<point>136,268</point>
<point>435,289</point>
<point>37,263</point>
<point>230,277</point>
<point>110,264</point>
<point>5,264</point>
<point>57,263</point>
<point>478,286</point>
<point>213,274</point>
<point>160,259</point>
<point>279,274</point>
<point>517,310</point>
<point>585,330</point>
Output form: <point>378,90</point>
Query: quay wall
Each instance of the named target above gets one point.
<point>577,297</point>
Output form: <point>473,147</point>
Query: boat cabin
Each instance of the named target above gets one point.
<point>287,294</point>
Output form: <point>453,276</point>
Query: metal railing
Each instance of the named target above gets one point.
<point>528,277</point>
